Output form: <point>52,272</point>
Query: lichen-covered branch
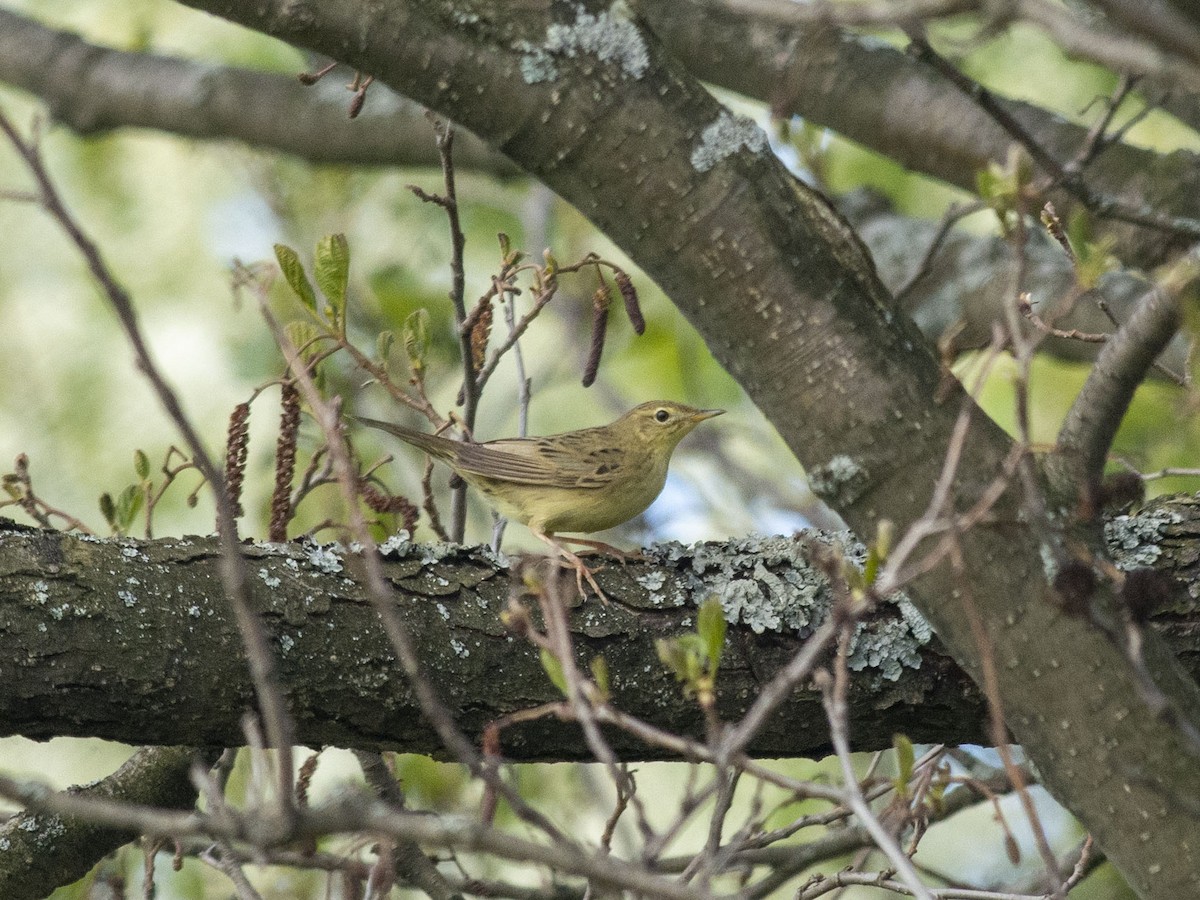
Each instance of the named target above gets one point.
<point>41,852</point>
<point>130,641</point>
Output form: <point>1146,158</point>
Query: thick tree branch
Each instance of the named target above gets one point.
<point>148,652</point>
<point>93,89</point>
<point>41,852</point>
<point>887,101</point>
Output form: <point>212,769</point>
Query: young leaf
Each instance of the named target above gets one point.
<point>129,504</point>
<point>905,758</point>
<point>554,669</point>
<point>293,273</point>
<point>599,668</point>
<point>303,335</point>
<point>141,465</point>
<point>332,270</point>
<point>108,509</point>
<point>416,338</point>
<point>384,344</point>
<point>710,625</point>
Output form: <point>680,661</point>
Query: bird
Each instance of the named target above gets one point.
<point>576,481</point>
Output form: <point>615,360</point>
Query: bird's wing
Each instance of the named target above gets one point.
<point>551,462</point>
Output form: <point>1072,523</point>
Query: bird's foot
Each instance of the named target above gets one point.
<point>622,556</point>
<point>570,560</point>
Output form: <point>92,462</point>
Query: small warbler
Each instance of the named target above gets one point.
<point>578,481</point>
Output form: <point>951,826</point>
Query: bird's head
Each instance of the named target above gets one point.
<point>663,423</point>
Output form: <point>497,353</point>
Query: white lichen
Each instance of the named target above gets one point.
<point>395,544</point>
<point>839,479</point>
<point>325,558</point>
<point>725,137</point>
<point>609,36</point>
<point>767,584</point>
<point>1133,540</point>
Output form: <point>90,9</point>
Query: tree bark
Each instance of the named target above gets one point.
<point>787,300</point>
<point>130,641</point>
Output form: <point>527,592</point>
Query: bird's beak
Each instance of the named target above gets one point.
<point>702,414</point>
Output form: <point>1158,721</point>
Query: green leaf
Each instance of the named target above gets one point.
<point>599,669</point>
<point>108,509</point>
<point>303,335</point>
<point>141,465</point>
<point>711,625</point>
<point>905,757</point>
<point>416,338</point>
<point>293,273</point>
<point>384,344</point>
<point>878,552</point>
<point>331,268</point>
<point>12,487</point>
<point>554,669</point>
<point>129,504</point>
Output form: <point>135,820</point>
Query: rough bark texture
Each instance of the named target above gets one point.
<point>132,641</point>
<point>40,852</point>
<point>127,640</point>
<point>787,301</point>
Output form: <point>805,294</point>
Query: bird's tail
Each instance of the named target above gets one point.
<point>442,448</point>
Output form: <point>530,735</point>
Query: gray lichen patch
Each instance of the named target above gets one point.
<point>840,481</point>
<point>725,137</point>
<point>608,36</point>
<point>768,584</point>
<point>1133,541</point>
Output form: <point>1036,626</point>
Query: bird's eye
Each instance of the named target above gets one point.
<point>662,415</point>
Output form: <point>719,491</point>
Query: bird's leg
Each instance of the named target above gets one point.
<point>601,547</point>
<point>582,572</point>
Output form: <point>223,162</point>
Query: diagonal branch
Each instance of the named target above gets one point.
<point>1094,417</point>
<point>93,89</point>
<point>39,853</point>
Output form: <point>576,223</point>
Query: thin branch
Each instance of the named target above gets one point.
<point>263,671</point>
<point>94,89</point>
<point>1092,422</point>
<point>1071,181</point>
<point>860,12</point>
<point>353,814</point>
<point>833,695</point>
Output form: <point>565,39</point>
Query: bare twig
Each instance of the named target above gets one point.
<point>263,672</point>
<point>1069,180</point>
<point>470,391</point>
<point>833,694</point>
